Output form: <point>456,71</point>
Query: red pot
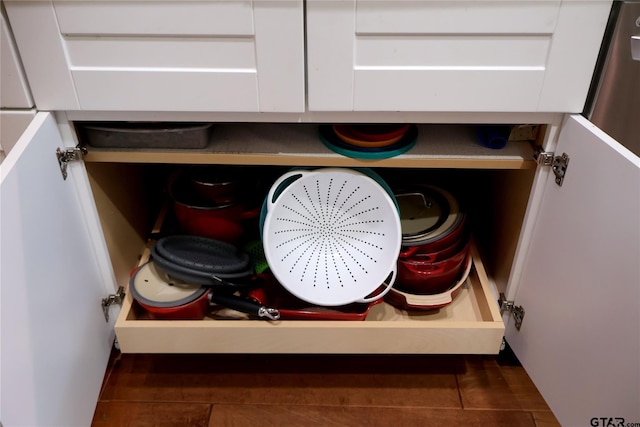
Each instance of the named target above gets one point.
<point>225,222</point>
<point>195,310</point>
<point>215,184</point>
<point>165,298</point>
<point>409,301</point>
<point>424,277</point>
<point>445,242</point>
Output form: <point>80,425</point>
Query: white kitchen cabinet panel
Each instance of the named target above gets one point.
<point>12,124</point>
<point>14,89</point>
<point>153,18</point>
<point>580,285</point>
<point>54,338</point>
<point>528,56</point>
<point>162,55</point>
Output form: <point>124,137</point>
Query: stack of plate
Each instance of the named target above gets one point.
<point>369,141</point>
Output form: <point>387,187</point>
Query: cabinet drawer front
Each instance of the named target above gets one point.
<point>15,89</point>
<point>166,90</point>
<point>461,55</point>
<point>456,17</point>
<point>448,89</point>
<point>163,55</point>
<point>155,17</point>
<point>437,51</point>
<point>508,55</point>
<point>152,52</point>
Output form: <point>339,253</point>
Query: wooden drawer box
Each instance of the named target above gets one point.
<point>470,324</point>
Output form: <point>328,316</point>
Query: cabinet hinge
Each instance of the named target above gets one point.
<point>516,311</point>
<point>110,300</point>
<point>559,164</point>
<point>68,155</point>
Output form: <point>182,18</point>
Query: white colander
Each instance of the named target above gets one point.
<point>332,236</point>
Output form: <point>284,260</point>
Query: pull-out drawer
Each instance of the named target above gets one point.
<point>470,324</point>
<point>162,55</point>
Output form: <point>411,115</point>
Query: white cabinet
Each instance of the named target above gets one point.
<point>452,55</point>
<point>54,338</point>
<point>563,253</point>
<point>161,55</point>
<point>580,283</point>
<point>16,102</point>
<point>571,301</point>
<point>14,89</point>
<point>237,55</point>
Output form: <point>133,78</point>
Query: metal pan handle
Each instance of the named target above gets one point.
<point>245,305</point>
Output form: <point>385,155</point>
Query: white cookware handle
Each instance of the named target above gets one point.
<point>281,180</point>
<point>387,287</point>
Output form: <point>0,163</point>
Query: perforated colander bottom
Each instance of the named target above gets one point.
<point>332,236</point>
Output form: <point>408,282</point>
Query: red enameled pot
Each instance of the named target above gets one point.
<point>216,184</point>
<point>225,222</point>
<point>446,242</point>
<point>424,277</point>
<point>195,310</point>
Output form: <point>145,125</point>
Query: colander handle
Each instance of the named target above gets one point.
<point>283,182</point>
<point>387,287</point>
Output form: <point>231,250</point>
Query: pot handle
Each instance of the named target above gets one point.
<point>409,251</point>
<point>415,251</point>
<point>387,287</point>
<point>426,269</point>
<point>245,305</point>
<point>282,183</point>
<point>250,214</point>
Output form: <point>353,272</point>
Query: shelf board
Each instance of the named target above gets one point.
<point>438,146</point>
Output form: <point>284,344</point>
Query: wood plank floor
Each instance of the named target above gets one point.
<point>313,390</point>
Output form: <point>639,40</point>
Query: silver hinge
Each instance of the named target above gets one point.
<point>110,300</point>
<point>510,307</point>
<point>559,164</point>
<point>68,155</point>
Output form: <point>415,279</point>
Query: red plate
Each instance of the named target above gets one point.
<point>377,132</point>
<point>346,134</point>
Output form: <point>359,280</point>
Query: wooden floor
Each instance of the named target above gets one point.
<point>312,390</point>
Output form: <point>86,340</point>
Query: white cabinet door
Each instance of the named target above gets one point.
<point>55,342</point>
<point>580,285</point>
<point>463,55</point>
<point>231,55</point>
